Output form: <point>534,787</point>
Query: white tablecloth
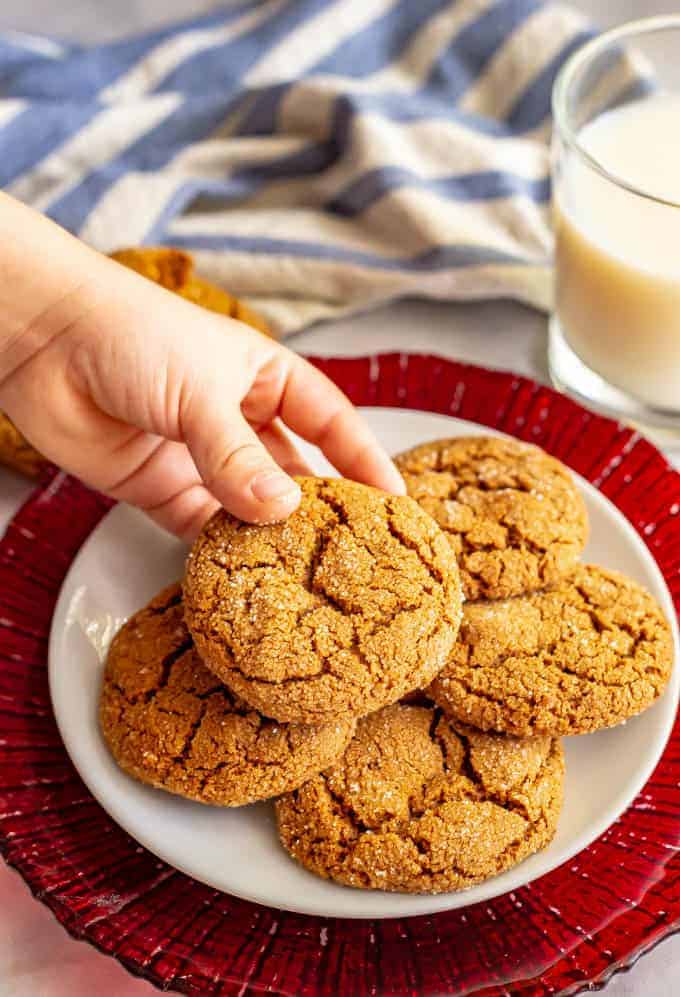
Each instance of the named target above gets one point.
<point>37,959</point>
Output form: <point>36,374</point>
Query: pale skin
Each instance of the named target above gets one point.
<point>154,400</point>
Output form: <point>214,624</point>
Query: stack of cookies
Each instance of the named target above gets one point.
<point>398,671</point>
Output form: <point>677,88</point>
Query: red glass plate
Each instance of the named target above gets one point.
<point>566,932</point>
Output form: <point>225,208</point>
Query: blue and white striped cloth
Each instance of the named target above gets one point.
<point>318,156</point>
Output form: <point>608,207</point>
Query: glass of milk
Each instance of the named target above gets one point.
<point>615,329</point>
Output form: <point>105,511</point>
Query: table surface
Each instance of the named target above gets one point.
<point>37,959</point>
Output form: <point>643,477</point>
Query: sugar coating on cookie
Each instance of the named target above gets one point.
<point>589,654</point>
<point>345,607</point>
<point>512,513</point>
<point>170,723</point>
<point>420,805</point>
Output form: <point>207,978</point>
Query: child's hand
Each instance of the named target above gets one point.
<point>154,400</point>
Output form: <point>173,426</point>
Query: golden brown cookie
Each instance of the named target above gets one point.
<point>170,723</point>
<point>420,805</point>
<point>512,513</point>
<point>16,452</point>
<point>588,654</point>
<point>345,607</point>
<point>174,270</point>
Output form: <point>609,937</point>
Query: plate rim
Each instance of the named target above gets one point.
<point>579,968</point>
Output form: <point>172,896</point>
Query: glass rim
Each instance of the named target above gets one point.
<point>571,68</point>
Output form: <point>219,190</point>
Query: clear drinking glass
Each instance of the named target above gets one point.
<point>615,328</point>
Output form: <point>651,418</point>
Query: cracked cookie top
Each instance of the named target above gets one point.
<point>588,654</point>
<point>420,804</point>
<point>512,513</point>
<point>170,723</point>
<point>343,608</point>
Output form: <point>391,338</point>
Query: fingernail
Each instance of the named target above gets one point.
<point>398,483</point>
<point>270,485</point>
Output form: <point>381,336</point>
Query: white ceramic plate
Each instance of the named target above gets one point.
<point>127,560</point>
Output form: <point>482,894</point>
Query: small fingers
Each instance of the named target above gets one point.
<point>186,513</point>
<point>164,483</point>
<point>236,467</point>
<point>282,449</point>
<point>317,410</point>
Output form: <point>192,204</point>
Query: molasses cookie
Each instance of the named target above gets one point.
<point>588,654</point>
<point>170,723</point>
<point>16,452</point>
<point>420,804</point>
<point>345,607</point>
<point>512,513</point>
<point>174,270</point>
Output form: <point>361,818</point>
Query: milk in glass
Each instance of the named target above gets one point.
<point>618,253</point>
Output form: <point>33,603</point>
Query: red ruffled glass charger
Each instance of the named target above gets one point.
<point>566,932</point>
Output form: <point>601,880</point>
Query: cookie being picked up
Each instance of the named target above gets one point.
<point>585,655</point>
<point>345,607</point>
<point>419,804</point>
<point>512,513</point>
<point>171,724</point>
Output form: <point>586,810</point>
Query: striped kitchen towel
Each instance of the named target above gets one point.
<point>318,156</point>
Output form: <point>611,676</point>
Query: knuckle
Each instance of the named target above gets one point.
<point>245,456</point>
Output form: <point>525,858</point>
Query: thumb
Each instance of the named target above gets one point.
<point>236,468</point>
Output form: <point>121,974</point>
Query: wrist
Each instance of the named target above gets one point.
<point>42,291</point>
